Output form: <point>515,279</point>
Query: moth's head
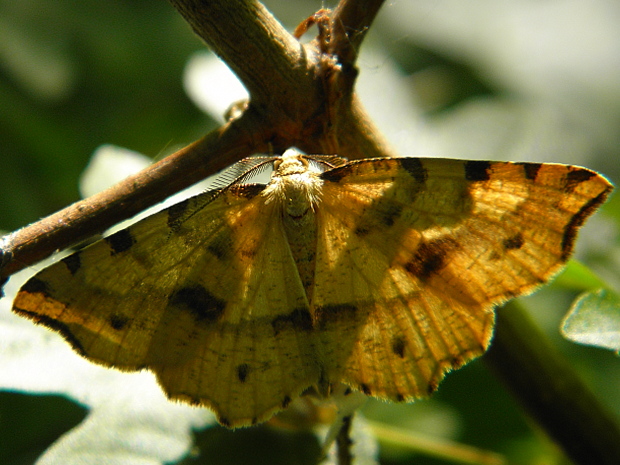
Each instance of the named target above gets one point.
<point>289,164</point>
<point>295,183</point>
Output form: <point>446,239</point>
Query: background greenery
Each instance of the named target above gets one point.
<point>75,75</point>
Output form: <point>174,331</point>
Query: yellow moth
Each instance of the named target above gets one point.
<point>381,274</point>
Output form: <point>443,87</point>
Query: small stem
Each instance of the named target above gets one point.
<point>344,443</point>
<point>435,447</point>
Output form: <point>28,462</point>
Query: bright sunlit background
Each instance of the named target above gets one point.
<point>487,79</point>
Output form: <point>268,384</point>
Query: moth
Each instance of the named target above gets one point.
<point>382,274</point>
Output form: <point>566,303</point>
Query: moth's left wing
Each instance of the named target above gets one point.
<point>204,294</point>
<point>414,254</point>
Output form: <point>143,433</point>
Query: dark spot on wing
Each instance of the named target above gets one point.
<point>195,401</point>
<point>337,174</point>
<point>388,212</point>
<point>221,246</point>
<point>120,241</point>
<point>254,421</point>
<point>361,231</point>
<point>223,421</point>
<point>430,257</point>
<point>531,170</point>
<point>400,397</point>
<point>575,177</point>
<point>570,231</point>
<point>398,346</point>
<point>299,318</point>
<point>203,305</point>
<point>35,285</point>
<point>432,387</point>
<point>365,389</point>
<point>243,371</point>
<point>415,168</point>
<point>175,213</point>
<point>348,391</point>
<point>118,321</point>
<point>477,170</point>
<point>286,401</point>
<point>335,313</point>
<point>456,362</point>
<point>73,262</point>
<point>513,242</point>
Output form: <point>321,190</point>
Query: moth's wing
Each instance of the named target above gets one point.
<point>413,255</point>
<point>205,294</point>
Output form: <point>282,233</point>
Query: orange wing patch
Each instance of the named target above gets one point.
<point>381,274</point>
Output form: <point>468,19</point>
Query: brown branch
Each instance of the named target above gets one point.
<point>269,61</point>
<point>289,84</point>
<point>290,105</point>
<point>350,23</point>
<point>134,194</point>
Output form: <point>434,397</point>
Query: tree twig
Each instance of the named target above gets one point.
<point>287,108</point>
<point>125,199</point>
<point>350,23</point>
<point>344,443</point>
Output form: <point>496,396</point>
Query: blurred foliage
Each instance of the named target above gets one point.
<point>594,319</point>
<point>75,75</point>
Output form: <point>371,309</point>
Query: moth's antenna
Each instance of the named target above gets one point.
<point>241,171</point>
<point>232,176</point>
<point>260,165</point>
<point>327,162</point>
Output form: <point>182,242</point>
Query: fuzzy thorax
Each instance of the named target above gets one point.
<point>295,184</point>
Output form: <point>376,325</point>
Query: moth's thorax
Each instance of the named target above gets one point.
<point>295,184</point>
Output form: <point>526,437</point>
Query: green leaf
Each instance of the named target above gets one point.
<point>594,319</point>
